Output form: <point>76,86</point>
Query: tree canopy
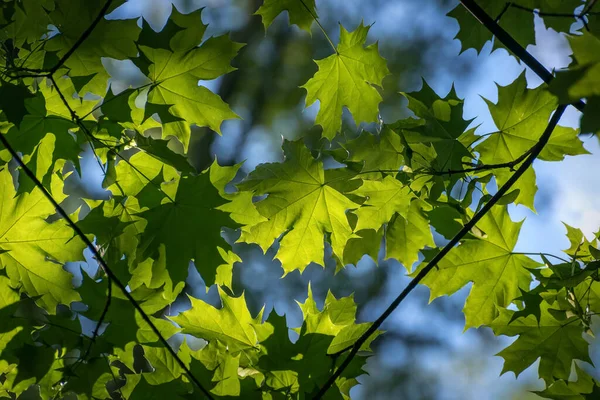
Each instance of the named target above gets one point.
<point>426,190</point>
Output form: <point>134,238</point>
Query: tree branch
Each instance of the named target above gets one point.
<point>101,261</point>
<point>438,257</point>
<point>510,164</point>
<point>507,40</point>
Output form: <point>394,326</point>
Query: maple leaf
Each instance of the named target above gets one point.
<point>346,79</point>
<point>303,365</point>
<point>33,249</point>
<point>442,126</point>
<point>517,22</point>
<point>407,234</point>
<point>496,273</point>
<point>383,199</point>
<point>110,38</point>
<point>383,152</point>
<point>555,342</point>
<point>302,204</point>
<point>231,325</point>
<point>581,79</point>
<point>519,116</point>
<point>188,228</point>
<point>43,133</point>
<point>28,22</point>
<point>571,390</point>
<point>301,12</point>
<point>175,73</point>
<point>125,325</point>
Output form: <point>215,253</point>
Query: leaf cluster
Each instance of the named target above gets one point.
<point>394,185</point>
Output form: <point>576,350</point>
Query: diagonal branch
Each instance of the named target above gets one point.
<point>508,41</point>
<point>431,264</point>
<point>117,282</point>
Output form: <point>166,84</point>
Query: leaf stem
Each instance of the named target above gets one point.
<point>540,254</point>
<point>320,26</point>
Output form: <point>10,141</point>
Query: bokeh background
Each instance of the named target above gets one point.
<point>425,354</point>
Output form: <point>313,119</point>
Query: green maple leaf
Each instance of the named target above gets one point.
<point>304,365</point>
<point>581,79</point>
<point>117,107</point>
<point>521,116</point>
<point>555,342</point>
<point>145,177</point>
<point>29,22</point>
<point>301,203</point>
<point>301,12</point>
<point>532,301</point>
<point>189,229</point>
<point>43,134</point>
<point>570,390</point>
<point>346,79</point>
<point>383,199</point>
<point>442,126</point>
<point>496,273</point>
<point>240,208</point>
<point>12,101</point>
<point>89,381</point>
<point>34,249</point>
<point>175,73</point>
<point>407,234</point>
<point>517,22</point>
<point>216,368</point>
<point>579,246</point>
<point>12,329</point>
<point>382,152</point>
<point>231,325</point>
<point>159,149</point>
<point>110,38</point>
<point>125,325</point>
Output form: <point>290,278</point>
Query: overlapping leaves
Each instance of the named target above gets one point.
<point>62,336</point>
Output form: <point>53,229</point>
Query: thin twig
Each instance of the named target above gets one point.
<point>540,254</point>
<point>581,16</point>
<point>105,266</point>
<point>550,14</point>
<point>439,256</point>
<point>510,164</point>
